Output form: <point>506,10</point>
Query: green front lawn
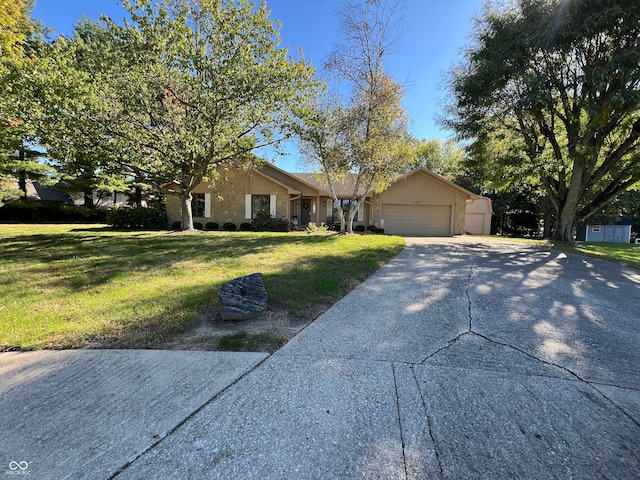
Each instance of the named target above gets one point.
<point>622,253</point>
<point>74,286</point>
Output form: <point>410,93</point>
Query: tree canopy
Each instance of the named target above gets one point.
<point>183,87</point>
<point>549,93</point>
<point>17,25</point>
<point>21,45</point>
<point>444,158</point>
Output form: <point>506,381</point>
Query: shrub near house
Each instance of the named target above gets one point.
<point>264,222</point>
<point>137,218</point>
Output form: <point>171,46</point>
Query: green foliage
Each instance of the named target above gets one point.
<point>211,226</point>
<point>516,214</point>
<point>137,218</point>
<point>359,228</point>
<point>23,73</point>
<point>21,114</point>
<point>76,144</point>
<point>229,227</point>
<point>264,222</point>
<point>17,27</point>
<point>374,229</point>
<point>31,211</point>
<point>8,192</point>
<point>444,158</point>
<point>195,85</point>
<point>549,94</point>
<point>313,228</point>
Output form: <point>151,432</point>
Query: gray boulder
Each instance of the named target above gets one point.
<point>243,298</point>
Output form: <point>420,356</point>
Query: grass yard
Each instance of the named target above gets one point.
<point>627,254</point>
<point>623,253</point>
<point>86,286</point>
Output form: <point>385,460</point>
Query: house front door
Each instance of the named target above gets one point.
<point>305,211</point>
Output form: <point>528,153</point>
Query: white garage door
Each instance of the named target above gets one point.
<point>418,220</point>
<point>474,223</point>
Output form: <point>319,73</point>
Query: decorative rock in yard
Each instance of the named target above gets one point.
<point>243,298</point>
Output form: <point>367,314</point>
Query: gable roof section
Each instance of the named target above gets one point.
<point>43,193</point>
<point>343,189</point>
<point>293,180</point>
<point>272,178</point>
<point>439,179</point>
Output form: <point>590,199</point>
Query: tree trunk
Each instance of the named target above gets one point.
<point>88,197</point>
<point>138,197</point>
<point>563,229</point>
<point>22,176</point>
<point>565,220</point>
<point>350,216</point>
<point>547,223</point>
<point>343,221</point>
<point>185,207</point>
<point>567,205</point>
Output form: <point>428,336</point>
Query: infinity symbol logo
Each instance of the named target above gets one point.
<point>16,465</point>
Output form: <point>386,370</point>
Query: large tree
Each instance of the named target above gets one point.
<point>196,84</point>
<point>364,139</point>
<point>75,143</point>
<point>21,47</point>
<point>549,93</point>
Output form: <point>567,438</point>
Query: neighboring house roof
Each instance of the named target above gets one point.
<point>44,193</point>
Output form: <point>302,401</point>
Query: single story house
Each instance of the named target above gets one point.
<point>478,216</point>
<point>614,232</point>
<point>420,203</point>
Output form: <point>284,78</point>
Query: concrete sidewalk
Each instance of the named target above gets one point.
<point>461,358</point>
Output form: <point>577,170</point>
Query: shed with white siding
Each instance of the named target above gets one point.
<point>478,215</point>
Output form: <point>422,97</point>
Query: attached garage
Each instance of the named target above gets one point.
<point>419,220</point>
<point>421,203</point>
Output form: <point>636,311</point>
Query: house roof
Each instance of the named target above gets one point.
<point>441,179</point>
<point>43,193</point>
<point>288,187</point>
<point>343,189</point>
<point>265,167</point>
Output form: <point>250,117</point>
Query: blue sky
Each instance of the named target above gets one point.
<point>435,33</point>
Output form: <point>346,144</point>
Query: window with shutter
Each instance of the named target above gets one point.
<point>259,203</point>
<point>198,204</point>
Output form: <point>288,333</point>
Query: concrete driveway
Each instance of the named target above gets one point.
<point>461,358</point>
